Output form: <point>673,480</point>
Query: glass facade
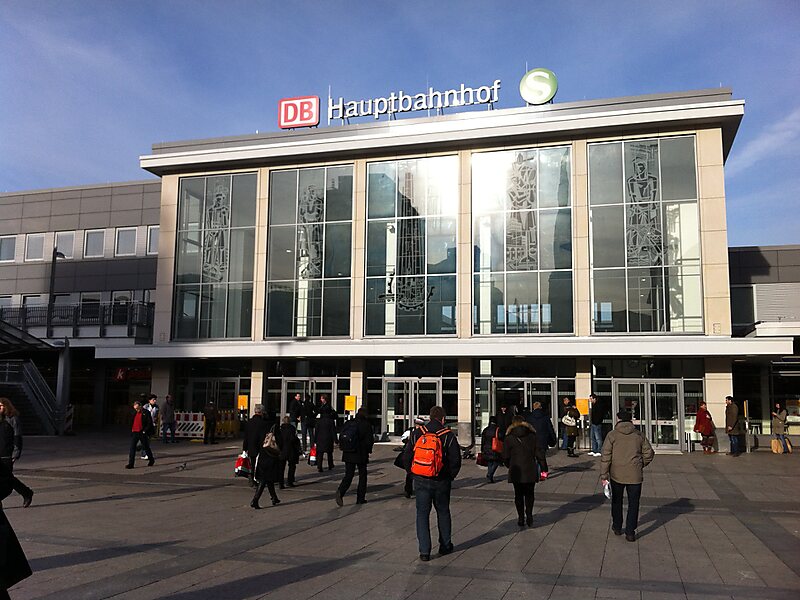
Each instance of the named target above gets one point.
<point>412,209</point>
<point>309,252</point>
<point>214,257</point>
<point>522,242</point>
<point>645,236</point>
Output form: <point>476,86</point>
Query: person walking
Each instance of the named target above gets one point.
<point>294,407</point>
<point>779,416</point>
<point>141,430</point>
<point>503,420</point>
<point>524,458</point>
<point>11,448</point>
<point>14,565</point>
<point>626,452</point>
<point>545,435</point>
<point>489,441</point>
<point>356,440</point>
<point>433,457</point>
<point>704,425</point>
<point>325,435</point>
<point>267,467</point>
<point>308,421</point>
<point>597,414</point>
<point>254,434</point>
<point>569,420</point>
<point>733,425</point>
<point>290,452</point>
<point>168,419</point>
<point>152,407</point>
<point>210,429</point>
<point>564,407</point>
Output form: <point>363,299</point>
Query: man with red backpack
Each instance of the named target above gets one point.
<point>433,457</point>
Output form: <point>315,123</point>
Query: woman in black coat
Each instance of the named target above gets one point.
<point>523,456</point>
<point>267,470</point>
<point>325,435</point>
<point>493,458</point>
<point>290,452</point>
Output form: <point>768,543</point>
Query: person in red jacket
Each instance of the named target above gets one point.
<point>141,430</point>
<point>704,425</point>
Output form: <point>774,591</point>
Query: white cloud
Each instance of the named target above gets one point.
<point>774,139</point>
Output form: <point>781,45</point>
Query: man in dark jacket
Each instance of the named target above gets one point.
<point>545,433</point>
<point>210,429</point>
<point>504,417</point>
<point>597,415</point>
<point>626,452</point>
<point>434,491</point>
<point>733,426</point>
<point>256,431</point>
<point>294,408</point>
<point>308,421</point>
<point>141,430</point>
<point>290,452</point>
<point>325,435</point>
<point>168,418</point>
<point>356,456</point>
<point>492,457</point>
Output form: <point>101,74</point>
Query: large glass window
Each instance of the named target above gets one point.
<point>214,257</point>
<point>309,252</point>
<point>645,236</point>
<point>8,247</point>
<point>522,238</point>
<point>412,208</point>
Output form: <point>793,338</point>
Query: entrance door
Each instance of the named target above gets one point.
<point>222,392</point>
<point>408,398</point>
<point>312,388</point>
<point>522,393</point>
<point>657,409</point>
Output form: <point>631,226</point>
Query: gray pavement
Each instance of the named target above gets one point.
<point>711,527</point>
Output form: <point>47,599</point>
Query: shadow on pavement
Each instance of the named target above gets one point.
<point>94,555</point>
<point>257,585</point>
<point>663,515</point>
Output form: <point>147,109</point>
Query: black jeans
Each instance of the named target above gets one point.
<point>349,473</point>
<point>136,439</point>
<point>292,470</point>
<point>270,486</point>
<point>634,494</point>
<point>523,498</point>
<point>307,431</point>
<point>16,485</point>
<point>319,459</point>
<point>210,432</point>
<point>493,464</point>
<point>408,487</point>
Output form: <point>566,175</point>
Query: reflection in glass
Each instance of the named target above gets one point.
<point>441,307</point>
<point>337,250</point>
<point>339,194</point>
<point>553,177</point>
<point>646,300</point>
<point>610,305</point>
<point>555,301</point>
<point>489,314</point>
<point>336,308</point>
<point>605,174</point>
<point>280,315</point>
<point>682,233</point>
<point>281,253</point>
<point>555,239</point>
<point>678,169</point>
<point>282,197</point>
<point>608,236</point>
<point>685,297</point>
<point>522,302</point>
<point>382,190</point>
<point>489,236</point>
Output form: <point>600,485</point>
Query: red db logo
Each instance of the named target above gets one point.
<point>298,112</point>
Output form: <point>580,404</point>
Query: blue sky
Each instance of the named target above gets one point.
<point>87,86</point>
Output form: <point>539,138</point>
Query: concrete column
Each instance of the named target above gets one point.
<point>168,224</point>
<point>257,383</point>
<point>583,377</point>
<point>358,261</point>
<point>99,395</point>
<point>62,385</point>
<point>161,378</point>
<point>260,263</point>
<point>766,398</point>
<point>357,367</point>
<point>464,400</point>
<point>580,241</point>
<point>718,384</point>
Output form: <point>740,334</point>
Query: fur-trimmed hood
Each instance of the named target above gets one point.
<point>523,428</point>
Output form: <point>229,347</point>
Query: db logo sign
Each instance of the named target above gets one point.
<point>298,112</point>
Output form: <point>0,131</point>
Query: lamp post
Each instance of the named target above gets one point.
<point>51,294</point>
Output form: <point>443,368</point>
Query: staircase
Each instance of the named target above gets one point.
<point>23,384</point>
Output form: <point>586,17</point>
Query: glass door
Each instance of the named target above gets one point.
<point>522,393</point>
<point>312,388</point>
<point>223,393</point>
<point>656,407</point>
<point>409,398</point>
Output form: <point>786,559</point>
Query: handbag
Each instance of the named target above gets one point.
<point>312,455</point>
<point>481,461</point>
<point>776,446</point>
<point>243,467</point>
<point>497,443</point>
<point>569,420</point>
<point>271,444</point>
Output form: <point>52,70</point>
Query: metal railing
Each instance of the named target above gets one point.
<point>25,375</point>
<point>135,316</point>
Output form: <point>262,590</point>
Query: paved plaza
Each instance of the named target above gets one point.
<point>711,527</point>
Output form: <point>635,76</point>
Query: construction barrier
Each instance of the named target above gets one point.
<point>192,424</point>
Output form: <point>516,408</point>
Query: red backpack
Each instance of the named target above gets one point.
<point>428,453</point>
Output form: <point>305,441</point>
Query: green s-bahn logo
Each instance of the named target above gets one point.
<point>538,86</point>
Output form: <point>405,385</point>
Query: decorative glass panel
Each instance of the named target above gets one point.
<point>646,300</point>
<point>554,172</point>
<point>521,252</point>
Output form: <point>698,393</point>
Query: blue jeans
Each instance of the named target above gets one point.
<point>493,464</point>
<point>734,443</point>
<point>596,432</point>
<point>563,438</point>
<point>430,492</point>
<point>782,438</point>
<point>171,428</point>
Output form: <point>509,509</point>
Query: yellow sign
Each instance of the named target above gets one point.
<point>582,404</point>
<point>243,398</point>
<point>350,403</point>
